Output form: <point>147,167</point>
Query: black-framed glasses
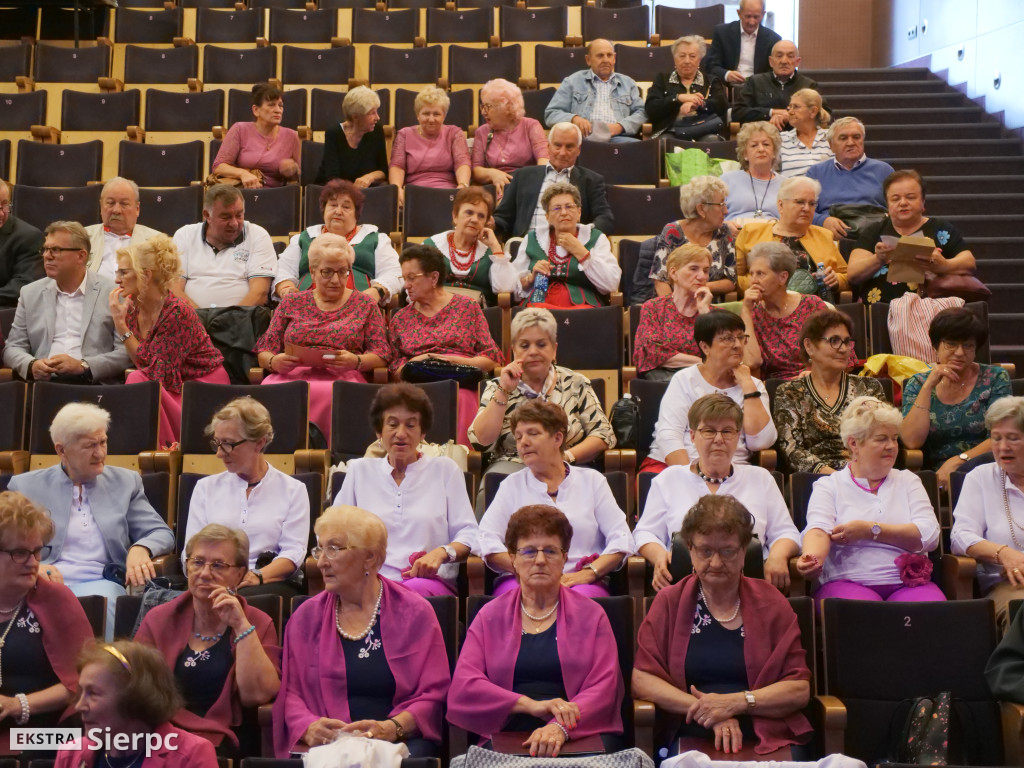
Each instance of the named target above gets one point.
<point>530,553</point>
<point>332,551</point>
<point>326,275</point>
<point>710,434</point>
<point>226,445</point>
<point>20,555</point>
<point>838,342</point>
<point>219,567</point>
<point>726,553</point>
<point>55,249</point>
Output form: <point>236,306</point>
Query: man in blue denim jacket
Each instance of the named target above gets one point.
<point>599,95</point>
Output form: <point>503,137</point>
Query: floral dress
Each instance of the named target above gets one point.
<point>663,332</point>
<point>459,328</point>
<point>779,338</point>
<point>722,248</point>
<point>956,428</point>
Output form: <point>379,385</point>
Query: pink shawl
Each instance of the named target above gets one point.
<point>313,683</point>
<point>481,697</point>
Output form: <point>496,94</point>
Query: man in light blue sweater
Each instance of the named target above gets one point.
<point>850,178</point>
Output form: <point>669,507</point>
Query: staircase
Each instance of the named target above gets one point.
<point>973,168</point>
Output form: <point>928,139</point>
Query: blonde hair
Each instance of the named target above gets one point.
<point>864,415</point>
<point>748,131</point>
<point>330,244</point>
<point>20,517</point>
<point>686,254</point>
<point>251,414</point>
<point>431,96</point>
<point>535,317</point>
<point>358,527</point>
<point>359,101</point>
<point>812,98</point>
<point>159,255</point>
<point>215,533</point>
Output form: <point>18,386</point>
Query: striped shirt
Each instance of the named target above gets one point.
<point>796,158</point>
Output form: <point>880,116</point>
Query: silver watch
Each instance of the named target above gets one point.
<point>751,701</point>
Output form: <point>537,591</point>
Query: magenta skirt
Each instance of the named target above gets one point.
<point>170,404</point>
<point>321,384</point>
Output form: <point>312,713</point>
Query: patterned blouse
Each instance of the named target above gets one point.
<point>722,247</point>
<point>779,338</point>
<point>178,348</point>
<point>663,332</point>
<point>809,427</point>
<point>573,392</point>
<point>356,326</point>
<point>956,428</point>
<point>458,329</point>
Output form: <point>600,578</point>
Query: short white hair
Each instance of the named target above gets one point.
<point>842,122</point>
<point>535,317</point>
<point>121,180</point>
<point>700,190</point>
<point>359,101</point>
<point>790,182</point>
<point>864,415</point>
<point>329,244</point>
<point>77,419</point>
<point>696,40</point>
<point>1006,408</point>
<point>566,126</point>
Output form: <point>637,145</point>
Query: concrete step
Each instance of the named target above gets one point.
<point>829,88</point>
<point>1004,329</point>
<point>955,166</point>
<point>977,204</point>
<point>990,270</point>
<point>972,185</point>
<point>1006,297</point>
<point>936,132</point>
<point>1009,353</point>
<point>902,101</point>
<point>883,150</point>
<point>861,75</point>
<point>999,248</point>
<point>875,115</point>
<point>986,226</point>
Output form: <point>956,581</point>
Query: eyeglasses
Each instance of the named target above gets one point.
<point>838,342</point>
<point>530,553</point>
<point>328,274</point>
<point>21,555</point>
<point>802,203</point>
<point>332,551</point>
<point>706,553</point>
<point>56,250</point>
<point>414,276</point>
<point>218,567</point>
<point>5,207</point>
<point>487,107</point>
<point>952,346</point>
<point>710,434</point>
<point>568,208</point>
<point>226,445</point>
<point>741,338</point>
<point>722,203</point>
<point>122,273</point>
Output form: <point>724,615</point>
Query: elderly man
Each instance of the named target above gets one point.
<point>599,95</point>
<point>766,96</point>
<point>20,242</point>
<point>740,49</point>
<point>225,260</point>
<point>520,211</point>
<point>850,178</point>
<point>119,212</point>
<point>62,328</point>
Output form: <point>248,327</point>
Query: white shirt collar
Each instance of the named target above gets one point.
<point>79,291</point>
<point>841,167</point>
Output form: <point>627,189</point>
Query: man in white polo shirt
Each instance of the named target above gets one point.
<point>225,261</point>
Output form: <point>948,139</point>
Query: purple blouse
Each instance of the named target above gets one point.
<point>509,150</point>
<point>430,162</point>
<point>245,147</point>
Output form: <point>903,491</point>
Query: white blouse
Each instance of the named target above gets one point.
<point>677,489</point>
<point>981,515</point>
<point>503,275</point>
<point>387,271</point>
<point>598,525</point>
<point>428,510</point>
<point>602,268</point>
<point>901,499</point>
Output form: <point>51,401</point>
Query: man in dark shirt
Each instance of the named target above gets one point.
<point>740,49</point>
<point>766,96</point>
<point>20,261</point>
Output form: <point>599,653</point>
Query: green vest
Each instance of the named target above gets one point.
<point>478,278</point>
<point>363,269</point>
<point>581,290</point>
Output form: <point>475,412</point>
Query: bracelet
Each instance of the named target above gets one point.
<point>508,392</point>
<point>241,637</point>
<point>996,557</point>
<point>359,361</point>
<point>752,395</point>
<point>562,728</point>
<point>590,566</point>
<point>922,407</point>
<point>25,710</point>
<point>502,403</point>
<point>270,363</point>
<point>399,730</point>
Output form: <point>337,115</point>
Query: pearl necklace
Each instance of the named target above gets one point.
<point>713,480</point>
<point>538,619</point>
<point>735,613</point>
<point>373,618</point>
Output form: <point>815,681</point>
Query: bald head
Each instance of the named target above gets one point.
<point>601,58</point>
<point>751,13</point>
<point>784,59</point>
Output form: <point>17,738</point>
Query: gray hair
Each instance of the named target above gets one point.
<point>791,182</point>
<point>225,194</point>
<point>501,89</point>
<point>358,527</point>
<point>1006,408</point>
<point>329,244</point>
<point>250,413</point>
<point>696,40</point>
<point>215,533</point>
<point>535,317</point>
<point>566,126</point>
<point>760,3</point>
<point>748,131</point>
<point>77,419</point>
<point>359,101</point>
<point>700,190</point>
<point>121,180</point>
<point>778,255</point>
<point>864,415</point>
<point>590,45</point>
<point>559,188</point>
<point>431,96</point>
<point>842,122</point>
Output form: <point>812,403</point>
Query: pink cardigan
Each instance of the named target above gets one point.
<point>313,683</point>
<point>481,697</point>
<point>187,751</point>
<point>771,649</point>
<point>168,627</point>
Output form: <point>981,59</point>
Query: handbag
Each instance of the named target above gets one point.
<point>937,730</point>
<point>231,181</point>
<point>683,166</point>
<point>435,369</point>
<point>625,419</point>
<point>966,287</point>
<point>858,217</point>
<point>693,127</point>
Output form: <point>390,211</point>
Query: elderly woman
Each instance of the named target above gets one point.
<point>943,408</point>
<point>807,409</point>
<point>223,652</point>
<point>868,524</point>
<point>576,259</point>
<point>421,499</point>
<point>375,270</point>
<point>720,653</point>
<point>988,512</point>
<point>331,318</point>
<point>716,423</point>
<point>686,93</point>
<point>128,698</point>
<point>812,245</point>
<point>439,324</point>
<point>430,154</point>
<point>475,259</point>
<point>272,508</point>
<point>355,149</point>
<point>531,374</point>
<point>507,140</point>
<point>106,531</point>
<point>721,339</point>
<point>602,539</point>
<point>541,658</point>
<point>163,335</point>
<point>262,146</point>
<point>704,209</point>
<point>43,624</point>
<point>754,189</point>
<point>805,144</point>
<point>772,315</point>
<point>351,663</point>
<point>664,338</point>
<point>904,193</point>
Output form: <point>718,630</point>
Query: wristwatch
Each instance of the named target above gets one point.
<point>85,365</point>
<point>258,574</point>
<point>127,335</point>
<point>450,551</point>
<point>876,531</point>
<point>751,701</point>
<point>964,457</point>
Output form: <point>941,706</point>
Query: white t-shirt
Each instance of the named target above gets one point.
<point>221,279</point>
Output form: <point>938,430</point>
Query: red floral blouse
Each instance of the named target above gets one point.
<point>458,329</point>
<point>663,332</point>
<point>178,348</point>
<point>779,338</point>
<point>356,326</point>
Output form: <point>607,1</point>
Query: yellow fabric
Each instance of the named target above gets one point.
<point>900,368</point>
<point>818,242</point>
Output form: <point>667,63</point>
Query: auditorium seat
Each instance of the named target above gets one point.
<point>168,209</point>
<point>239,65</point>
<point>161,165</point>
<point>20,111</point>
<point>637,162</point>
<point>5,158</point>
<point>39,206</point>
<point>59,64</point>
<point>643,63</point>
<point>372,26</point>
<point>13,407</point>
<point>672,23</point>
<point>231,26</point>
<point>295,107</point>
<point>302,26</point>
<point>536,102</point>
<point>160,66</point>
<point>642,211</point>
<point>172,117</point>
<point>112,111</point>
<point>616,23</point>
<point>149,26</point>
<point>317,66</point>
<point>15,61</point>
<point>539,25</point>
<point>277,4</point>
<point>475,66</point>
<point>427,209</point>
<point>276,209</point>
<point>554,63</point>
<point>380,207</point>
<point>470,25</point>
<point>404,65</point>
<point>59,165</point>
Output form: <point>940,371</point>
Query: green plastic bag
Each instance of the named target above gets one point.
<point>685,165</point>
